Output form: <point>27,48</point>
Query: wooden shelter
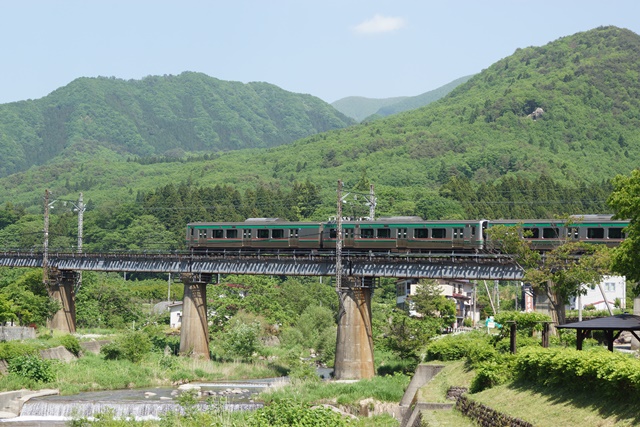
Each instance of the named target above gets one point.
<point>611,326</point>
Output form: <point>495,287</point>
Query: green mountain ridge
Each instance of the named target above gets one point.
<point>413,102</point>
<point>157,116</point>
<point>481,133</point>
<point>361,108</point>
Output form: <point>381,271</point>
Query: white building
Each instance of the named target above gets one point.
<point>175,315</point>
<point>615,291</point>
<point>462,292</point>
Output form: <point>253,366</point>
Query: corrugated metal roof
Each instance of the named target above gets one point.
<point>620,322</point>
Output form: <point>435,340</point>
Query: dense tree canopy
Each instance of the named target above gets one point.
<point>625,201</point>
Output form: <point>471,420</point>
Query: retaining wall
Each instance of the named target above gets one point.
<point>14,333</point>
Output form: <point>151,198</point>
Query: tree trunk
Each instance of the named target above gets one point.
<point>557,302</point>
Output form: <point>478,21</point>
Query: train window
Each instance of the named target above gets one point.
<point>366,233</point>
<point>531,233</point>
<point>402,233</point>
<point>550,233</point>
<point>595,233</point>
<point>232,234</point>
<point>384,233</point>
<point>293,233</point>
<point>438,233</point>
<point>262,234</point>
<point>615,233</point>
<point>573,233</point>
<point>246,233</point>
<point>349,233</point>
<point>217,234</point>
<point>193,232</point>
<point>277,233</point>
<point>421,233</point>
<point>333,233</point>
<point>202,234</point>
<point>473,231</point>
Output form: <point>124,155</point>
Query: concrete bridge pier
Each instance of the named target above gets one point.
<point>354,344</point>
<point>61,289</point>
<point>194,332</point>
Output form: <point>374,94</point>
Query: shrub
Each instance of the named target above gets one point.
<point>132,346</point>
<point>598,370</point>
<point>111,351</point>
<point>289,413</point>
<point>491,373</point>
<point>71,343</point>
<point>526,322</point>
<point>479,352</point>
<point>11,349</point>
<point>241,340</point>
<point>32,367</point>
<point>454,347</point>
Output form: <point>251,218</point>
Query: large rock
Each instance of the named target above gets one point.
<point>57,353</point>
<point>93,346</point>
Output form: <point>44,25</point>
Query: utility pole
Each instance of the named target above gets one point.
<point>475,299</point>
<point>339,239</point>
<point>45,249</point>
<point>80,208</point>
<point>372,204</point>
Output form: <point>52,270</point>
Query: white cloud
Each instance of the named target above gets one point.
<point>380,24</point>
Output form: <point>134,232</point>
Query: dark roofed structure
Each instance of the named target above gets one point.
<point>612,327</point>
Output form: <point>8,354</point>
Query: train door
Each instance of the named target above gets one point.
<point>573,233</point>
<point>401,237</point>
<point>457,238</point>
<point>246,237</point>
<point>349,236</point>
<point>294,237</point>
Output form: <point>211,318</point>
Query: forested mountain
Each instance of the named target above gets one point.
<point>157,116</point>
<point>413,102</point>
<point>538,133</point>
<point>361,108</point>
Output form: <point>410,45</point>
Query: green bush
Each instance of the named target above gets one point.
<point>132,346</point>
<point>32,367</point>
<point>111,351</point>
<point>288,413</point>
<point>526,323</point>
<point>240,341</point>
<point>71,343</point>
<point>491,373</point>
<point>479,352</point>
<point>598,370</point>
<point>12,349</point>
<point>455,347</point>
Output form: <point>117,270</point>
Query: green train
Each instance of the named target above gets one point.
<point>396,234</point>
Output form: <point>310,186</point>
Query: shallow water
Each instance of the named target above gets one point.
<point>140,404</point>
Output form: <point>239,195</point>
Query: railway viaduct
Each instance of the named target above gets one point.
<point>354,352</point>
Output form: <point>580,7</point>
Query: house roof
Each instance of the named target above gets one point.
<point>620,322</point>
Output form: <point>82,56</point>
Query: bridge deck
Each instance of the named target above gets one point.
<point>437,265</point>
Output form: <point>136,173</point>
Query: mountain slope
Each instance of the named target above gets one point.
<point>359,108</point>
<point>587,84</point>
<point>157,116</point>
<point>426,98</point>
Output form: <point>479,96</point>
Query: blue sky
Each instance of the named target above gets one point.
<point>330,48</point>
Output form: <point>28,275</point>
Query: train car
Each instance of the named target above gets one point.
<point>254,233</point>
<point>397,234</point>
<point>402,234</point>
<point>548,234</point>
